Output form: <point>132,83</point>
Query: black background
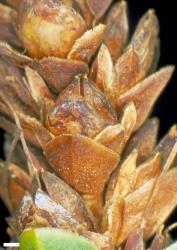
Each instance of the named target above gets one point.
<point>166,107</point>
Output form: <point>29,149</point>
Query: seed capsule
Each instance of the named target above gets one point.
<point>49,28</point>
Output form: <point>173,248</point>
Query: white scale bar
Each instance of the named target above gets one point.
<point>11,245</point>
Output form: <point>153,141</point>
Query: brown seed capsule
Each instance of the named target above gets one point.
<point>43,211</point>
<point>138,57</point>
<point>87,174</point>
<point>75,116</point>
<point>58,189</point>
<point>117,29</point>
<point>48,28</point>
<point>145,93</point>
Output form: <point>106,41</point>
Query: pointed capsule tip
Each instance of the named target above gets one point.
<point>151,12</point>
<point>170,69</point>
<point>155,121</point>
<point>123,3</point>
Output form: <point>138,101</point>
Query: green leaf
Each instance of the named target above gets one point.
<point>53,239</point>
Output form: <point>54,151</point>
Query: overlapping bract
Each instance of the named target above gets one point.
<point>78,103</point>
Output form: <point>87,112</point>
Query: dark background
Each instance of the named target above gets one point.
<point>166,107</point>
